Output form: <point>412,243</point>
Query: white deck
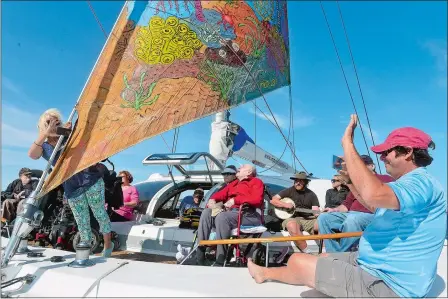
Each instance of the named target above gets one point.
<point>143,279</point>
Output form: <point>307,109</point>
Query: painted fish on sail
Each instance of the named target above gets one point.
<point>168,63</point>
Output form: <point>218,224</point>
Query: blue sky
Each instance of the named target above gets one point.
<point>400,49</point>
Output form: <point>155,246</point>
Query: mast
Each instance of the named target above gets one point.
<point>228,138</point>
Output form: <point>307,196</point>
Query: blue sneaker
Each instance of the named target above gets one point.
<point>107,252</point>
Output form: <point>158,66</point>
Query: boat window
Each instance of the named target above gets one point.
<point>274,188</point>
<point>170,208</point>
<point>147,190</point>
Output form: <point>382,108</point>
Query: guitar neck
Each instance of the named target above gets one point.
<point>307,211</point>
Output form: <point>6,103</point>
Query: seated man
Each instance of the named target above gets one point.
<point>246,189</point>
<point>18,190</point>
<point>303,198</point>
<point>399,250</point>
<point>336,195</point>
<point>350,216</point>
<point>191,201</point>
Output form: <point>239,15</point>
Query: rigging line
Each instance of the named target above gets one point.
<point>345,77</point>
<point>286,145</point>
<point>357,79</point>
<point>105,35</point>
<point>292,125</point>
<point>255,129</point>
<point>169,149</point>
<point>96,18</point>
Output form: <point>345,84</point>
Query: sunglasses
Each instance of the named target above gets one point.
<point>334,181</point>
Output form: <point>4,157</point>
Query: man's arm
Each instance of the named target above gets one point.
<point>222,194</point>
<point>327,198</point>
<point>372,192</point>
<point>10,190</point>
<point>314,200</point>
<point>276,199</point>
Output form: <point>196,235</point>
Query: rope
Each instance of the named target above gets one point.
<point>96,18</point>
<point>292,126</point>
<point>357,79</point>
<point>255,129</point>
<point>289,134</point>
<point>345,77</point>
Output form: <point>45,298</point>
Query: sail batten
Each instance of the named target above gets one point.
<point>169,63</point>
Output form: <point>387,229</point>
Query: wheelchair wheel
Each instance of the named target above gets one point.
<point>259,256</point>
<point>96,239</point>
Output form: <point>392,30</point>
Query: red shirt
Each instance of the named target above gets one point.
<point>353,204</point>
<point>249,191</point>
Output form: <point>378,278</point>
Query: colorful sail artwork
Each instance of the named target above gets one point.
<point>171,62</point>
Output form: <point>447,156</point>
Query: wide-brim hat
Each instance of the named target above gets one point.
<point>300,176</point>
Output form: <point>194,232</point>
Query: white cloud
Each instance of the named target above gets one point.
<point>300,120</point>
<point>19,127</point>
<point>14,88</point>
<point>438,49</point>
<point>16,137</point>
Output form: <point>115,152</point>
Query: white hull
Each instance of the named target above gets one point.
<point>144,279</point>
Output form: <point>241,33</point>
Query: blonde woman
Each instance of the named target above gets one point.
<point>82,190</point>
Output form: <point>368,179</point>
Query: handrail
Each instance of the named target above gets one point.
<point>280,239</point>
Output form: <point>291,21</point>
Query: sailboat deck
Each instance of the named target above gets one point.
<point>137,279</point>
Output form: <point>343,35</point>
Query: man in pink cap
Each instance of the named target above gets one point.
<point>399,250</point>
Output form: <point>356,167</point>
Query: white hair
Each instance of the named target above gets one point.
<point>53,112</point>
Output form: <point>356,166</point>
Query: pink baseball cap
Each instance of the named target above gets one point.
<point>408,136</point>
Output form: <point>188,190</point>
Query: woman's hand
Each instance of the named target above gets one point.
<point>51,128</point>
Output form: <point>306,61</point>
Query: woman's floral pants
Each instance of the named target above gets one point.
<point>92,196</point>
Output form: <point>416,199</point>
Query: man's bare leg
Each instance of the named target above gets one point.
<point>294,229</point>
<point>300,270</point>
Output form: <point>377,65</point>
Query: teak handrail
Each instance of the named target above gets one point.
<point>280,239</point>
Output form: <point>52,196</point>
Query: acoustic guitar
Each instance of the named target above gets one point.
<point>283,213</point>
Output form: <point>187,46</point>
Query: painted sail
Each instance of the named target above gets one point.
<point>171,62</point>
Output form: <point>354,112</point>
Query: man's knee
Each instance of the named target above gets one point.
<point>293,226</point>
<point>296,260</point>
<point>221,218</point>
<point>206,213</point>
<point>351,222</point>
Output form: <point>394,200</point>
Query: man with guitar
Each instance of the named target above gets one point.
<point>303,201</point>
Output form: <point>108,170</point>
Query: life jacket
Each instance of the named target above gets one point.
<point>190,218</point>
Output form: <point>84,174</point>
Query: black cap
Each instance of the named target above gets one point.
<point>231,169</point>
<point>198,191</point>
<point>25,171</point>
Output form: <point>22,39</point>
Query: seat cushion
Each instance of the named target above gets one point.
<point>249,230</point>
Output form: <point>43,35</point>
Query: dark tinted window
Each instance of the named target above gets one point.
<point>274,189</point>
<point>147,190</point>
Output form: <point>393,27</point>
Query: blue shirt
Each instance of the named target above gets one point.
<point>85,178</point>
<point>187,202</point>
<point>402,246</point>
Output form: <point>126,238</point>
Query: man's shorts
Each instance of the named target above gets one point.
<point>339,275</point>
<point>306,224</point>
